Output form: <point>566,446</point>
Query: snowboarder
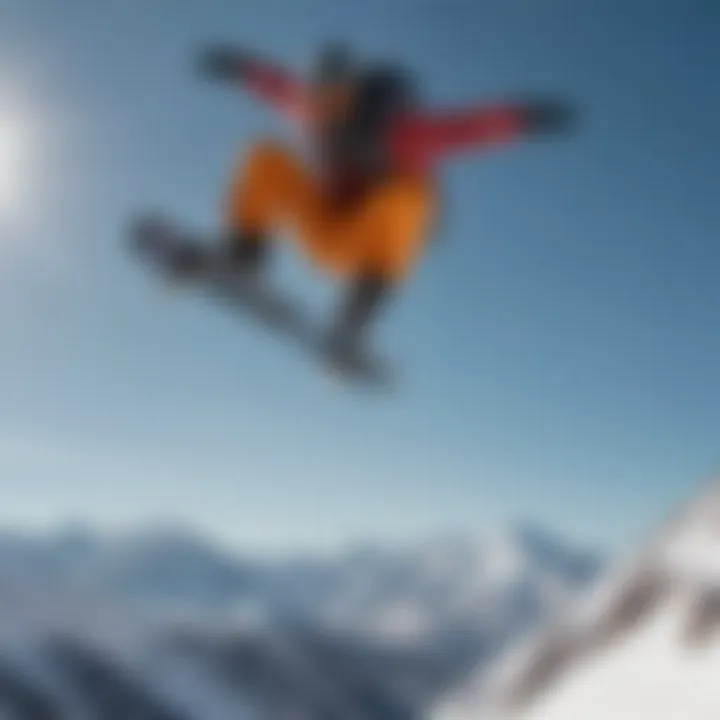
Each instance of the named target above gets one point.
<point>365,206</point>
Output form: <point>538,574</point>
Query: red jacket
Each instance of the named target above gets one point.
<point>416,141</point>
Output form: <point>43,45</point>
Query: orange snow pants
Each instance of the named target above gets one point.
<point>381,235</point>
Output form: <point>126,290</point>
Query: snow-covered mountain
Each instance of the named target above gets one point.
<point>157,626</point>
<point>72,655</point>
<point>396,594</point>
<point>644,644</point>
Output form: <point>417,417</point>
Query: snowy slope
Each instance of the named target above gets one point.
<point>645,644</point>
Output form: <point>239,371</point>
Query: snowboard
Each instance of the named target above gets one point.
<point>156,242</point>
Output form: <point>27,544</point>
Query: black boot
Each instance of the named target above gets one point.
<point>189,262</point>
<point>246,254</point>
<point>182,255</point>
<point>348,341</point>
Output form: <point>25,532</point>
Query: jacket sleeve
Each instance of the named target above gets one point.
<point>266,81</point>
<point>278,88</point>
<point>432,135</point>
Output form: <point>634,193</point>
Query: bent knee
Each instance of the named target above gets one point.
<point>403,218</point>
<point>269,157</point>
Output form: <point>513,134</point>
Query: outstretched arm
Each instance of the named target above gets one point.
<point>441,133</point>
<point>266,81</point>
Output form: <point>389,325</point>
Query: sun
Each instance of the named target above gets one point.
<point>12,156</point>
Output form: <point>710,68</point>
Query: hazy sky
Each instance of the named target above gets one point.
<point>561,343</point>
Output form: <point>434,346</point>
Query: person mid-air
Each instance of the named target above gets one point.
<point>364,206</point>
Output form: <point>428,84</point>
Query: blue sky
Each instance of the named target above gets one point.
<point>561,341</point>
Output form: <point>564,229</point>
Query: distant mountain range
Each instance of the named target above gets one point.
<point>163,625</point>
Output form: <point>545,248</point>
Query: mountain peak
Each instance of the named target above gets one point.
<point>644,643</point>
<point>530,546</point>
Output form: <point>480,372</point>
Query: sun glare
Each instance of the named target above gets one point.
<point>11,166</point>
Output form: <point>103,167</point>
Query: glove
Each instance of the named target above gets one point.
<point>547,116</point>
<point>223,62</point>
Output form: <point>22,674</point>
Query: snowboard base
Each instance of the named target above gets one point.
<point>157,243</point>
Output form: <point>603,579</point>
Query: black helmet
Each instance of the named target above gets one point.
<point>383,92</point>
<point>335,62</point>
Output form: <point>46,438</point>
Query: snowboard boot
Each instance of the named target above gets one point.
<point>183,256</point>
<point>244,256</point>
<point>348,342</point>
<point>189,262</point>
<point>248,253</point>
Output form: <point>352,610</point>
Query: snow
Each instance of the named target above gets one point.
<point>645,643</point>
<point>119,607</point>
<point>649,675</point>
<point>438,581</point>
<point>36,613</point>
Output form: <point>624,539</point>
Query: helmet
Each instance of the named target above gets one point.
<point>335,62</point>
<point>383,92</point>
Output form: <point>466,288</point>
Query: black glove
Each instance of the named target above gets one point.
<point>223,62</point>
<point>547,116</point>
